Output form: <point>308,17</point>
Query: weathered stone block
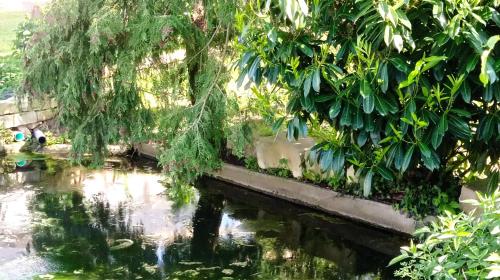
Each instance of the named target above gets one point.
<point>45,115</point>
<point>271,150</point>
<point>8,106</point>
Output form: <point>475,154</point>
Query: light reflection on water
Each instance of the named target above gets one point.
<point>63,222</point>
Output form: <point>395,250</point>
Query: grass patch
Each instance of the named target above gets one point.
<point>8,24</point>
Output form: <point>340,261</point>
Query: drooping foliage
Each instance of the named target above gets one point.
<point>129,71</point>
<point>411,87</point>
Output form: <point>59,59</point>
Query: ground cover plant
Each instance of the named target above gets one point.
<point>461,246</point>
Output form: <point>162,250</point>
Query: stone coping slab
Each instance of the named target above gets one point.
<point>367,211</point>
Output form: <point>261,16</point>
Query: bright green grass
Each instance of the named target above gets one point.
<point>8,25</point>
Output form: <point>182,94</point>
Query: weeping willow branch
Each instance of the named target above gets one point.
<point>101,60</point>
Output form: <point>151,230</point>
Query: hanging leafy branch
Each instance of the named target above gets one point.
<point>412,85</point>
<point>134,71</point>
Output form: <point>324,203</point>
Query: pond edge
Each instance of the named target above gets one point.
<point>367,211</point>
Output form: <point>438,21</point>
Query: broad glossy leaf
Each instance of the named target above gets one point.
<point>384,76</point>
<point>399,156</point>
<point>436,138</point>
<point>459,127</point>
<point>346,118</point>
<point>443,124</point>
<point>432,61</point>
<point>466,92</point>
<point>432,161</point>
<point>365,88</point>
<point>306,50</point>
<point>424,149</point>
<point>367,183</point>
<point>400,64</point>
<point>385,172</point>
<point>404,19</point>
<point>303,7</point>
<point>487,127</point>
<point>407,158</point>
<point>326,159</point>
<point>388,35</point>
<point>307,86</point>
<point>338,161</point>
<point>361,139</point>
<point>277,124</point>
<point>488,93</point>
<point>368,104</point>
<point>316,80</point>
<point>381,107</point>
<point>358,120</point>
<point>398,42</point>
<point>335,109</point>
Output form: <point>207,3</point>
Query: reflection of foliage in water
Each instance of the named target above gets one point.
<point>78,234</point>
<point>180,193</point>
<point>75,234</point>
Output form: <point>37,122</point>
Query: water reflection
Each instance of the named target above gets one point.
<point>63,222</point>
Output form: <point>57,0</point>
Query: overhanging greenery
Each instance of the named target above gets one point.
<point>118,73</point>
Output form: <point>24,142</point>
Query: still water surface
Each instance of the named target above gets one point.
<point>121,222</point>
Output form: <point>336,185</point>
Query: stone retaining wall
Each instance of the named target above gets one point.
<point>15,114</point>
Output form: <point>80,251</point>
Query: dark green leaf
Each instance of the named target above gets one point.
<point>346,118</point>
<point>486,128</point>
<point>424,149</point>
<point>358,120</point>
<point>459,127</point>
<point>407,158</point>
<point>326,159</point>
<point>384,76</point>
<point>335,109</point>
<point>365,88</point>
<point>361,139</point>
<point>307,86</point>
<point>465,92</point>
<point>338,161</point>
<point>432,161</point>
<point>306,50</point>
<point>399,156</point>
<point>443,124</point>
<point>436,138</point>
<point>385,173</point>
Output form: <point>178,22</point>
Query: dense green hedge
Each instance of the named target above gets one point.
<point>411,87</point>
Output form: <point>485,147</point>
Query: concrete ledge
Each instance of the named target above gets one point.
<point>62,150</point>
<point>367,211</point>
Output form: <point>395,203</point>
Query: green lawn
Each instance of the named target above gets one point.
<point>8,24</point>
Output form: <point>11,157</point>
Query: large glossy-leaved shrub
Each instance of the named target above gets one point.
<point>463,246</point>
<point>411,87</point>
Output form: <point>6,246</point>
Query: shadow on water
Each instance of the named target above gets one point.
<point>64,222</point>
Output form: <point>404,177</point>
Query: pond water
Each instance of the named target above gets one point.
<point>120,222</point>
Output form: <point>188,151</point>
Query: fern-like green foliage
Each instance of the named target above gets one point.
<point>128,71</point>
